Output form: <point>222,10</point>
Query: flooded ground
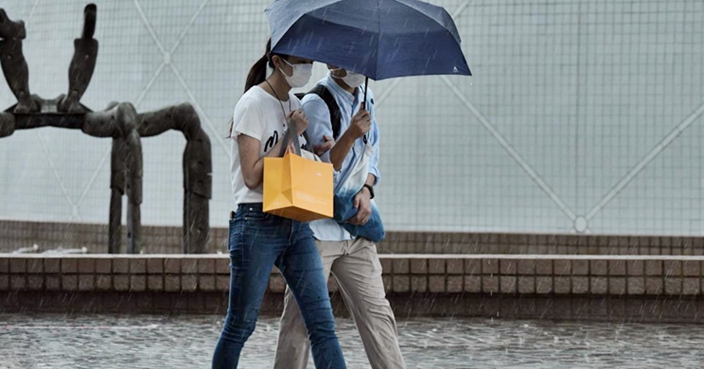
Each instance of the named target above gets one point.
<point>184,342</point>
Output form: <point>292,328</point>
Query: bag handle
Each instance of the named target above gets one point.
<point>292,137</point>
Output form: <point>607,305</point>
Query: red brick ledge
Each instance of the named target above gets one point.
<point>580,275</point>
<point>643,288</point>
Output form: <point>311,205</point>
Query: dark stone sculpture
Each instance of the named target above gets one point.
<point>119,121</point>
<point>13,64</point>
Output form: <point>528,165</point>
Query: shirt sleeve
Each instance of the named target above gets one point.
<point>318,122</point>
<point>247,120</point>
<point>374,139</point>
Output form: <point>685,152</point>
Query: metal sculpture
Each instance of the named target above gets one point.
<point>122,123</point>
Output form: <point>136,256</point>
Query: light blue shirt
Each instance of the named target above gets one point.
<point>319,125</point>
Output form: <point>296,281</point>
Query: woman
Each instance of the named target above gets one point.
<point>257,240</point>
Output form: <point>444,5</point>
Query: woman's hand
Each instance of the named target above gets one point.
<point>299,117</point>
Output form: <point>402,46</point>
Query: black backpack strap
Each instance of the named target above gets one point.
<point>329,100</point>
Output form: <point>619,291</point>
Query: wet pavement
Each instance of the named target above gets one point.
<point>183,342</point>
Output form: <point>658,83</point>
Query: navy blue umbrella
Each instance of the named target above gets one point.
<point>377,38</point>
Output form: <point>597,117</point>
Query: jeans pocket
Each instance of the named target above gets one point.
<point>256,216</point>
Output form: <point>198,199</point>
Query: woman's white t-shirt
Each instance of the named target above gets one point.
<point>258,115</point>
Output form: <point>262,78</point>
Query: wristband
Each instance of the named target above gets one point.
<point>371,190</point>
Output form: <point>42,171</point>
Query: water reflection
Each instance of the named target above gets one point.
<point>106,341</point>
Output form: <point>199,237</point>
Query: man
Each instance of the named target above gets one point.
<point>352,260</point>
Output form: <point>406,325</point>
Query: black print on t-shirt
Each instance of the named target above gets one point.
<point>274,139</point>
<point>271,141</point>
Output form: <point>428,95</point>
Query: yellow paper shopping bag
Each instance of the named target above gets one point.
<point>297,188</point>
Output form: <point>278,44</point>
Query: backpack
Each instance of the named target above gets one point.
<point>329,100</point>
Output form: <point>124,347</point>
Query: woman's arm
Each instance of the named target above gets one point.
<point>248,148</point>
<point>252,165</point>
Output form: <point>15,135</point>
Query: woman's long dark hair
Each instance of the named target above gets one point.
<point>257,74</point>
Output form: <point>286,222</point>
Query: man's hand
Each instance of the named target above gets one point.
<point>362,202</point>
<point>324,147</point>
<point>361,123</point>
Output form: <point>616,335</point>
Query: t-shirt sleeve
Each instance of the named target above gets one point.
<point>248,120</point>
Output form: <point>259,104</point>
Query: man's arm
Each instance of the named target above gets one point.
<point>360,125</point>
<point>362,201</point>
<point>374,139</point>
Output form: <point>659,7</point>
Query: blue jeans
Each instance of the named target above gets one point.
<point>257,242</point>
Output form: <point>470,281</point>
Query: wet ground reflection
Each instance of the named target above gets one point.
<point>108,341</point>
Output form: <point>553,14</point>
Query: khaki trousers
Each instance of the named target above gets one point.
<point>356,267</point>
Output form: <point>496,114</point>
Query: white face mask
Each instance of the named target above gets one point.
<point>352,79</point>
<point>300,75</point>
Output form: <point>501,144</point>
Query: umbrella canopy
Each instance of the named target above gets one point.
<point>377,38</point>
